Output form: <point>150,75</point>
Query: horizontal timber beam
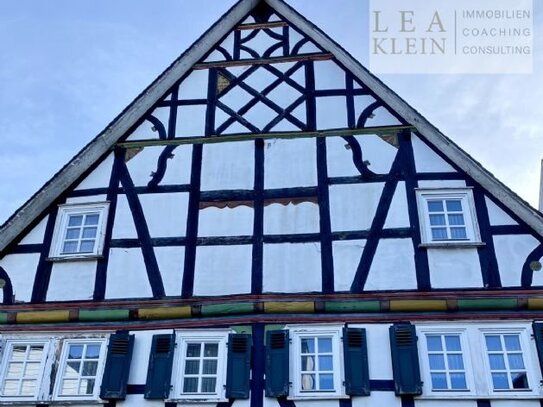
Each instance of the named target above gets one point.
<point>318,56</point>
<point>63,313</point>
<point>258,26</point>
<point>265,136</point>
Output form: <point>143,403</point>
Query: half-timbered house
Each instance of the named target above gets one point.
<point>268,224</point>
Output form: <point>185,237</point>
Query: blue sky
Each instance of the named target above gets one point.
<point>67,68</point>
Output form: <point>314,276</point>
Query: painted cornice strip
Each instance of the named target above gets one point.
<point>255,307</point>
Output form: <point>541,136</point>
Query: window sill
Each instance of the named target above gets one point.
<point>529,394</point>
<point>451,245</point>
<point>197,400</point>
<point>82,257</point>
<point>318,397</point>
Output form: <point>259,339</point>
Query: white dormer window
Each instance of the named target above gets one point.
<point>79,230</point>
<point>447,217</point>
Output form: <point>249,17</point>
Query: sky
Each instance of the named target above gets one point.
<point>67,68</point>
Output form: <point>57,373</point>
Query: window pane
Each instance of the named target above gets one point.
<point>18,353</point>
<point>439,234</point>
<point>193,350</point>
<point>209,367</point>
<point>437,362</point>
<point>308,363</point>
<point>190,385</point>
<point>87,246</point>
<point>325,345</point>
<point>308,382</point>
<point>86,386</point>
<point>72,234</point>
<point>458,381</point>
<point>208,384</point>
<point>89,233</point>
<point>325,363</point>
<point>211,349</point>
<point>512,342</point>
<point>455,362</point>
<point>434,343</point>
<point>72,369</point>
<point>192,366</point>
<point>69,387</point>
<point>515,361</point>
<point>32,369</point>
<point>519,380</point>
<point>458,233</point>
<point>454,205</point>
<point>69,247</point>
<point>499,381</point>
<point>35,353</point>
<point>437,220</point>
<point>493,342</point>
<point>326,382</point>
<point>452,343</point>
<point>75,220</point>
<point>15,370</point>
<point>11,388</point>
<point>308,345</point>
<point>75,352</point>
<point>456,219</point>
<point>439,381</point>
<point>93,351</point>
<point>92,219</point>
<point>435,206</point>
<point>89,369</point>
<point>496,362</point>
<point>28,387</point>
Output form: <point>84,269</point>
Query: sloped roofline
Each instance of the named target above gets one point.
<point>103,143</point>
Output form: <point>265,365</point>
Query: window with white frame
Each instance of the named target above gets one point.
<point>79,230</point>
<point>30,365</point>
<point>316,361</point>
<point>501,358</point>
<point>201,365</point>
<point>22,369</point>
<point>447,216</point>
<point>79,369</point>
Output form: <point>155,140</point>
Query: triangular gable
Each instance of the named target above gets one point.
<point>205,52</point>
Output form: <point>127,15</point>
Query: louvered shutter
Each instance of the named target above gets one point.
<point>159,372</point>
<point>355,352</point>
<point>119,355</point>
<point>405,360</point>
<point>238,366</point>
<point>538,336</point>
<point>277,366</point>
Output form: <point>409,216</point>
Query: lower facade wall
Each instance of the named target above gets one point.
<point>379,362</point>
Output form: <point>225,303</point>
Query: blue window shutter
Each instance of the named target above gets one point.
<point>119,355</point>
<point>405,360</point>
<point>538,336</point>
<point>159,373</point>
<point>277,363</point>
<point>355,353</point>
<point>238,366</point>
